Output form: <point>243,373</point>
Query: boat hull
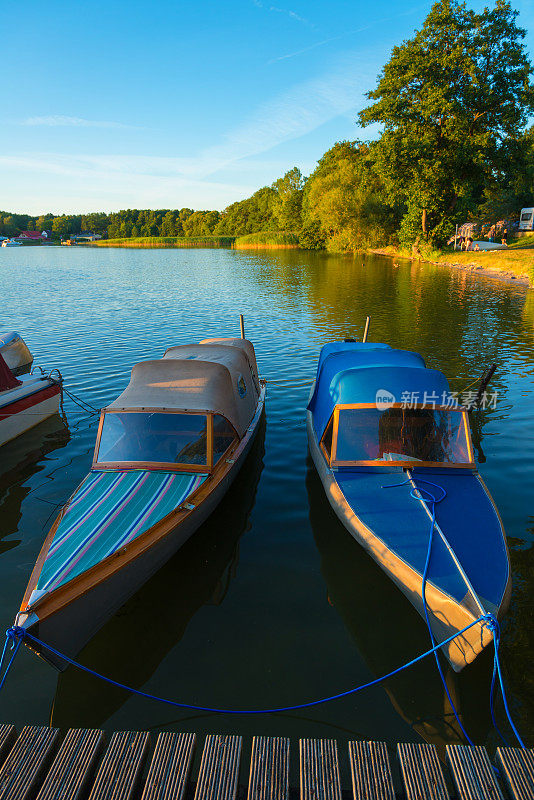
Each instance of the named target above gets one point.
<point>447,615</point>
<point>25,413</point>
<point>69,627</point>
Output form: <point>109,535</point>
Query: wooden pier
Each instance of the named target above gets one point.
<point>42,764</point>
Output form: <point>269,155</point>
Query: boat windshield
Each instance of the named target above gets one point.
<point>406,436</point>
<point>158,437</point>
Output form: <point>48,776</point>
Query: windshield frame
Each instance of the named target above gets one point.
<point>334,463</point>
<point>203,469</point>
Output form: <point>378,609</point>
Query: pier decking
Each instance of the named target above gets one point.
<point>42,764</point>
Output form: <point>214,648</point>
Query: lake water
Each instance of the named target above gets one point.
<point>272,602</point>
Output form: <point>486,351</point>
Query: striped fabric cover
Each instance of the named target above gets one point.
<point>108,511</point>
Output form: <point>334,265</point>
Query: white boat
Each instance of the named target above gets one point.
<point>167,450</point>
<point>11,243</point>
<point>26,401</point>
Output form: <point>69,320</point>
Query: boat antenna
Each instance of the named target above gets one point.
<point>366,331</point>
<point>242,325</point>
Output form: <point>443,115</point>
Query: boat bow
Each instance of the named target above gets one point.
<point>108,511</point>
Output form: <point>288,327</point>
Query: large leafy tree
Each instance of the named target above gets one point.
<point>344,201</point>
<point>287,210</point>
<point>453,102</point>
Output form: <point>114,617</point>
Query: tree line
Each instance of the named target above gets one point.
<point>452,105</point>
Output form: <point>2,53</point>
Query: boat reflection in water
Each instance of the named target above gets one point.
<point>22,458</point>
<point>132,644</point>
<point>388,632</point>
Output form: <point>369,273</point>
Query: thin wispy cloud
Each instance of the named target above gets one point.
<point>296,112</point>
<point>347,33</point>
<point>288,116</point>
<point>60,121</point>
<point>287,11</point>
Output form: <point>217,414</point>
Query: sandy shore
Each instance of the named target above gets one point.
<point>496,273</point>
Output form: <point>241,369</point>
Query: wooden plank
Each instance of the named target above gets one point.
<point>421,772</point>
<point>170,766</point>
<point>8,734</point>
<point>27,762</point>
<point>120,771</point>
<point>269,769</point>
<point>371,771</point>
<point>472,773</point>
<point>517,769</point>
<point>73,766</point>
<point>219,768</point>
<point>319,770</point>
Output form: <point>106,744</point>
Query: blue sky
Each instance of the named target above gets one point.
<point>110,105</point>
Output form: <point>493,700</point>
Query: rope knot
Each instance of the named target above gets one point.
<point>490,621</point>
<point>15,633</point>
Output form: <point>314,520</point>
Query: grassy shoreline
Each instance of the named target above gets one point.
<point>515,264</point>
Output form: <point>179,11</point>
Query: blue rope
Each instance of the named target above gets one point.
<point>428,497</point>
<point>494,627</point>
<point>15,646</point>
<point>491,621</point>
<point>19,634</point>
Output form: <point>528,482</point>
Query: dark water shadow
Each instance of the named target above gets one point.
<point>131,646</point>
<point>20,460</point>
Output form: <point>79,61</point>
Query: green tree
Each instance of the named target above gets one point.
<point>168,224</point>
<point>453,102</point>
<point>344,203</point>
<point>287,210</point>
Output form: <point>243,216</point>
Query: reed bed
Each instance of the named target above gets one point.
<point>167,241</point>
<point>267,240</point>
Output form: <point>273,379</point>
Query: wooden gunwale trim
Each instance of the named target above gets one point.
<point>150,466</point>
<point>410,464</point>
<point>96,574</point>
<point>507,594</point>
<point>411,407</point>
<point>327,454</point>
<point>468,438</point>
<point>335,427</point>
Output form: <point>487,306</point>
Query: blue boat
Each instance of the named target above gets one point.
<point>387,439</point>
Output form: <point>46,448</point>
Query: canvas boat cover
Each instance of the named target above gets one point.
<point>356,372</point>
<point>210,377</point>
<point>108,511</point>
<point>243,344</point>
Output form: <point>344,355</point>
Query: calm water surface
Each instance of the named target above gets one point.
<point>272,602</point>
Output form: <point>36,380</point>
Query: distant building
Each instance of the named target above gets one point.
<point>86,236</point>
<point>34,236</point>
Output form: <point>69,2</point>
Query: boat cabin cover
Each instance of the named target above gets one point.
<point>373,405</point>
<point>185,409</point>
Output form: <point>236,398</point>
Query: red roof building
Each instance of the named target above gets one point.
<point>30,235</point>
